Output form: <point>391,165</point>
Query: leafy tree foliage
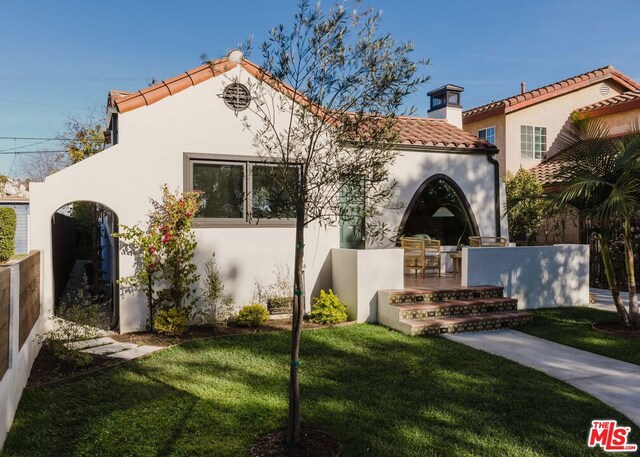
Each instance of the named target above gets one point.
<point>340,85</point>
<point>526,216</point>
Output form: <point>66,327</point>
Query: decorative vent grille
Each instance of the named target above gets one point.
<point>604,90</point>
<point>236,96</point>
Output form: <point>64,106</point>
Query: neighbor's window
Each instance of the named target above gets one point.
<point>533,141</point>
<point>243,192</point>
<point>488,134</point>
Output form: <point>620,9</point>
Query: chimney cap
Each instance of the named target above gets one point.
<point>446,87</point>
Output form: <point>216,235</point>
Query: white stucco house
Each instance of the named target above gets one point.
<point>181,130</point>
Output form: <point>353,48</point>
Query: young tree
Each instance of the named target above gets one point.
<point>327,99</point>
<point>601,178</point>
<point>526,216</point>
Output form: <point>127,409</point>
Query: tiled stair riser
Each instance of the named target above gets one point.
<point>462,310</point>
<point>479,326</point>
<point>440,296</point>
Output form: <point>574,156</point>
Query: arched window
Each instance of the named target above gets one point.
<point>440,210</point>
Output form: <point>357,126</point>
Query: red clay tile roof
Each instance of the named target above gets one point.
<point>413,130</point>
<point>550,91</point>
<point>623,102</point>
<point>547,169</point>
<point>422,131</point>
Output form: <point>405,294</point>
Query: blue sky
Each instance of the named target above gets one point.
<point>59,59</point>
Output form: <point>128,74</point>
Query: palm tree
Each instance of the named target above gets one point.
<point>601,178</point>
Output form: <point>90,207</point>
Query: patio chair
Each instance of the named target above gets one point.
<point>414,253</point>
<point>432,255</point>
<point>487,241</point>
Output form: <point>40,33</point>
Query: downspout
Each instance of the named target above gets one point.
<point>496,186</point>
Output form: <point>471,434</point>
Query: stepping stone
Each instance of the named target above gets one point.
<point>110,348</point>
<point>134,353</point>
<point>90,343</point>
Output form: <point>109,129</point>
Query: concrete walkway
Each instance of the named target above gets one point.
<point>611,381</point>
<point>604,300</point>
<point>112,348</point>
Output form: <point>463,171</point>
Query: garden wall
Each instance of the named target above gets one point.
<point>21,321</point>
<point>538,276</point>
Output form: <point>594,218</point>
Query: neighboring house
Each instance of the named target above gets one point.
<point>185,131</point>
<point>619,113</point>
<point>524,127</point>
<point>14,194</point>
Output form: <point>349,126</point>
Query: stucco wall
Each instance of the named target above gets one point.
<point>552,114</point>
<point>499,123</point>
<point>152,143</point>
<point>538,276</point>
<point>619,123</point>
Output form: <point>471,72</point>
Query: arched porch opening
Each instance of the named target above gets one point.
<point>85,261</point>
<point>440,210</point>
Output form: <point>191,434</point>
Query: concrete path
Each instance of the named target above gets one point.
<point>604,300</point>
<point>112,348</point>
<point>611,381</point>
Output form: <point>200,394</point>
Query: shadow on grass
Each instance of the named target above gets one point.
<point>379,392</point>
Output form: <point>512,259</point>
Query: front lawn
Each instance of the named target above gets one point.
<point>571,326</point>
<point>379,392</point>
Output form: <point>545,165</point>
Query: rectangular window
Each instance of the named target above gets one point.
<point>239,192</point>
<point>488,134</point>
<point>352,201</point>
<point>533,141</point>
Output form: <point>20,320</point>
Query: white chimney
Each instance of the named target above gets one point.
<point>445,104</point>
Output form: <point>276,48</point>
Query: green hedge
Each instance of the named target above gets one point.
<point>7,233</point>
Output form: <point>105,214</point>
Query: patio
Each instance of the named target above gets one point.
<point>432,281</point>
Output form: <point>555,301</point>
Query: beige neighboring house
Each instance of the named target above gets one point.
<point>524,127</point>
<point>619,113</point>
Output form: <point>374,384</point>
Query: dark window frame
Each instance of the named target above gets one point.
<point>247,221</point>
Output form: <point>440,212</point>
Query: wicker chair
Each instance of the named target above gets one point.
<point>432,255</point>
<point>414,255</point>
<point>487,241</point>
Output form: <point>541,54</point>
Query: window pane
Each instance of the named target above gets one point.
<point>269,197</point>
<point>482,134</point>
<point>222,187</point>
<point>526,141</point>
<point>491,135</point>
<point>352,214</point>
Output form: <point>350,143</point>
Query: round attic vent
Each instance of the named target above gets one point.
<point>604,90</point>
<point>236,96</point>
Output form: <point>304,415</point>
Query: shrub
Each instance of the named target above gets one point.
<point>216,308</point>
<point>280,305</point>
<point>7,233</point>
<point>252,316</point>
<point>328,309</point>
<point>172,321</point>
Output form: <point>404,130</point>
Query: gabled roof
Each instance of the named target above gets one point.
<point>415,131</point>
<point>541,94</point>
<point>623,102</point>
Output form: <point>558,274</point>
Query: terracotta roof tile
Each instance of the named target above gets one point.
<point>622,102</point>
<point>413,130</point>
<point>546,170</point>
<point>549,91</point>
<point>424,131</point>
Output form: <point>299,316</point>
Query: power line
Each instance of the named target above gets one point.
<point>24,146</point>
<point>44,104</point>
<point>75,78</point>
<point>32,138</point>
<point>31,152</point>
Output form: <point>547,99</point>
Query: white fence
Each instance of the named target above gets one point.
<point>538,276</point>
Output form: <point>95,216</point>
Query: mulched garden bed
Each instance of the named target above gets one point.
<point>49,369</point>
<point>313,443</point>
<point>617,328</point>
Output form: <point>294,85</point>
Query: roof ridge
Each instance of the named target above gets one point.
<point>513,100</point>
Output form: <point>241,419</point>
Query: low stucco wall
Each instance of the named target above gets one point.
<point>20,358</point>
<point>358,274</point>
<point>538,276</point>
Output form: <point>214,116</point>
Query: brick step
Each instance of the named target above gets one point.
<point>455,308</point>
<point>405,296</point>
<point>458,324</point>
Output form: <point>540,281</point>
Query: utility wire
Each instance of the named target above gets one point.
<point>25,146</point>
<point>30,152</point>
<point>32,138</point>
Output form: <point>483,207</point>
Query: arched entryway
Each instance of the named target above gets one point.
<point>440,210</point>
<point>85,258</point>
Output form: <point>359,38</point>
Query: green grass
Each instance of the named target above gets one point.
<point>572,326</point>
<point>379,392</point>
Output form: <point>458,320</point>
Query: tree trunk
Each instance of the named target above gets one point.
<point>631,273</point>
<point>611,279</point>
<point>293,432</point>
